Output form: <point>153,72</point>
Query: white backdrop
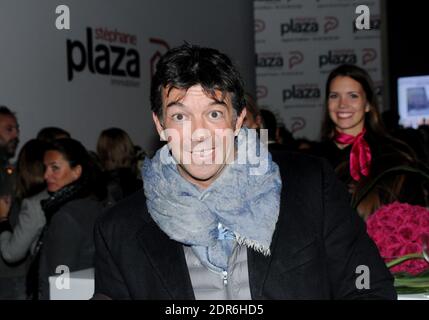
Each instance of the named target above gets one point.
<point>298,42</point>
<point>34,70</point>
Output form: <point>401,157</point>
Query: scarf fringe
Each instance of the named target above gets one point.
<point>254,245</point>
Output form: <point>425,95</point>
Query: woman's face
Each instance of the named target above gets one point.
<point>58,172</point>
<point>347,105</point>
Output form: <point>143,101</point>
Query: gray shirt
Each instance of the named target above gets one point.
<point>210,285</point>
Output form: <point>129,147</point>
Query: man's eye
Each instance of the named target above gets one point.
<point>215,114</point>
<point>178,117</point>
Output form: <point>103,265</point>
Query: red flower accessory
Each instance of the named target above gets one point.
<point>398,229</point>
<point>360,155</point>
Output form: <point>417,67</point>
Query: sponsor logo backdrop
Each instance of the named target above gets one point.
<point>97,74</point>
<point>298,42</point>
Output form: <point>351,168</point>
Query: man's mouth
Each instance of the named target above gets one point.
<point>202,156</point>
<point>202,152</point>
<point>13,144</point>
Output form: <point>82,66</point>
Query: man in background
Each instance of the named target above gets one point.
<point>9,135</point>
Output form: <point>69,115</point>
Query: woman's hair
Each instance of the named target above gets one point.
<point>373,123</point>
<point>73,151</point>
<point>50,134</point>
<point>76,154</point>
<point>115,149</point>
<point>30,169</point>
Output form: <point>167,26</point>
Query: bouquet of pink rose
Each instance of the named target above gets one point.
<point>398,230</point>
<point>401,233</point>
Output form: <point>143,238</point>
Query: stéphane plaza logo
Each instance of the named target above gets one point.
<point>301,92</point>
<point>275,60</point>
<point>337,57</point>
<point>301,25</point>
<point>105,52</point>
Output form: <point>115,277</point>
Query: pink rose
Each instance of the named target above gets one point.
<point>406,232</point>
<point>397,229</point>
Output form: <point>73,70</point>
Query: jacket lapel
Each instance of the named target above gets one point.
<point>291,242</point>
<point>258,266</point>
<point>168,259</point>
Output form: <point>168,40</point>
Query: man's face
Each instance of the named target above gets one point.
<point>200,131</point>
<point>9,132</point>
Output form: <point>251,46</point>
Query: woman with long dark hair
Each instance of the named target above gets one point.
<point>359,148</point>
<point>71,210</point>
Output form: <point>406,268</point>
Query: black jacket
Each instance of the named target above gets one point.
<point>399,186</point>
<point>120,184</point>
<point>69,240</point>
<point>317,247</point>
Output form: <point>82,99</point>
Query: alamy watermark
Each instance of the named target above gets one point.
<point>62,22</point>
<point>62,282</point>
<point>362,22</point>
<point>363,278</point>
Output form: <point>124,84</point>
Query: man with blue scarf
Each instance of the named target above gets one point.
<point>219,217</point>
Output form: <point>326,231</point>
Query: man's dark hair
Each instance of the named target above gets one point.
<point>188,65</point>
<point>5,111</point>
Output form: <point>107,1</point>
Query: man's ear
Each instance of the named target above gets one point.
<point>240,120</point>
<point>159,127</point>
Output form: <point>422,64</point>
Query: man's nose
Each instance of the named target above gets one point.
<point>200,131</point>
<point>15,133</point>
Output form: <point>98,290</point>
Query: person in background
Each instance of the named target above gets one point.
<point>50,134</point>
<point>410,136</point>
<point>9,140</point>
<point>277,140</point>
<point>424,133</point>
<point>11,275</point>
<point>19,242</point>
<point>305,145</point>
<point>207,226</point>
<point>117,156</point>
<point>140,156</point>
<point>253,118</point>
<point>359,148</point>
<point>9,135</point>
<point>71,210</point>
<point>414,139</point>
